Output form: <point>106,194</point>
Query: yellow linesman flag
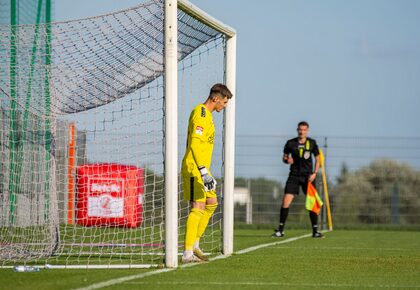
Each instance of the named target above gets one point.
<point>313,201</point>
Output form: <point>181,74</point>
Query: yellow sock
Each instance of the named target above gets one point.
<point>208,212</point>
<point>193,221</point>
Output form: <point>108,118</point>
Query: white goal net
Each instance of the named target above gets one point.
<point>82,136</point>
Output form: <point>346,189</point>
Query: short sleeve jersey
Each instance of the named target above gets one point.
<point>201,128</point>
<point>302,155</point>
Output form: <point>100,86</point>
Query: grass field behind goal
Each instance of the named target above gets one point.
<point>343,260</point>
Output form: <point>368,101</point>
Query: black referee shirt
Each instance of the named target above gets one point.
<point>302,155</point>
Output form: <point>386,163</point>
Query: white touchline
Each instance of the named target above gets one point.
<point>151,273</point>
<point>251,249</point>
<point>124,279</point>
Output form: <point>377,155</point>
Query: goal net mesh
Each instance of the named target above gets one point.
<point>82,136</point>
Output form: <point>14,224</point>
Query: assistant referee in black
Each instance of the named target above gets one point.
<point>298,153</point>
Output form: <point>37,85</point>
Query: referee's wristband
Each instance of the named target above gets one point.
<point>315,172</point>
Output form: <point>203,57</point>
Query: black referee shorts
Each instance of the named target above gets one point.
<point>295,181</point>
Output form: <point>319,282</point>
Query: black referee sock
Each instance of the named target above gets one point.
<point>314,221</point>
<point>284,212</point>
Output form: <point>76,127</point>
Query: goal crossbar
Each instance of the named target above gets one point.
<point>205,18</point>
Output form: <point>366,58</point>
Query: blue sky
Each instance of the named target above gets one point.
<point>350,68</point>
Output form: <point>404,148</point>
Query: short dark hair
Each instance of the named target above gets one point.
<point>221,90</point>
<point>303,123</point>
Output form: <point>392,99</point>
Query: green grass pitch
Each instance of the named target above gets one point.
<point>343,260</point>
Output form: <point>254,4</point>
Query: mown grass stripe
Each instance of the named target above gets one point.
<point>155,272</point>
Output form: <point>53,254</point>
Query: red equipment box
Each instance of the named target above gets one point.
<point>109,194</point>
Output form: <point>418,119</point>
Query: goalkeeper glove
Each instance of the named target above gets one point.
<point>208,180</point>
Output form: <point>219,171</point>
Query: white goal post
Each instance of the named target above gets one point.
<point>171,158</point>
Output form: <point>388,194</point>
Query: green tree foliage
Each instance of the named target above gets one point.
<point>379,193</point>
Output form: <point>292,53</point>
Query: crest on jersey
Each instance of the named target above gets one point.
<point>211,139</point>
<point>199,130</point>
<point>307,155</point>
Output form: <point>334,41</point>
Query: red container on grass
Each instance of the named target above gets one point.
<point>109,194</point>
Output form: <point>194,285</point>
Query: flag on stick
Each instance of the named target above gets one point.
<point>313,201</point>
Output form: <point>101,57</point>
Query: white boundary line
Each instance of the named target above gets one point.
<point>251,249</point>
<point>151,273</point>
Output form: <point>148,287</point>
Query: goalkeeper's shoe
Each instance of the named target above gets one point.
<point>317,235</point>
<point>277,234</point>
<point>191,259</point>
<point>199,253</point>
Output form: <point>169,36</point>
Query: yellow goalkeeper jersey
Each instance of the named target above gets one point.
<point>200,141</point>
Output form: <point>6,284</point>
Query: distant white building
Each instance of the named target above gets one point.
<point>242,196</point>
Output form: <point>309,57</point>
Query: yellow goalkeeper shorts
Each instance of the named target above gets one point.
<point>194,189</point>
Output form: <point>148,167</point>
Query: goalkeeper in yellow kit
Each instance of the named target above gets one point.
<point>199,184</point>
